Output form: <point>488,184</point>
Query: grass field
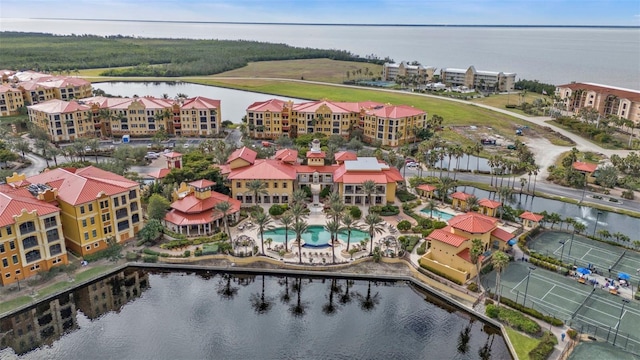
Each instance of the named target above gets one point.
<point>523,344</point>
<point>323,70</point>
<point>501,100</point>
<point>623,139</point>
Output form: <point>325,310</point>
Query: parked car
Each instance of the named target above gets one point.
<point>412,164</point>
<point>409,160</point>
<point>152,155</point>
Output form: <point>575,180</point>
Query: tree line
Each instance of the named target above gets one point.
<point>148,57</point>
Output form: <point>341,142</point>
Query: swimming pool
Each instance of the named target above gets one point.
<point>315,236</point>
<point>438,214</point>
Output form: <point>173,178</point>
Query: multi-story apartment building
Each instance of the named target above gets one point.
<point>10,100</point>
<point>63,120</point>
<point>95,206</point>
<point>283,174</point>
<point>101,116</point>
<point>392,125</point>
<point>31,238</point>
<point>391,71</point>
<point>478,79</point>
<point>607,100</point>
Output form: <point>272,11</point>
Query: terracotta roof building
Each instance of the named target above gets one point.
<point>194,213</point>
<point>449,253</point>
<point>389,124</point>
<point>606,100</point>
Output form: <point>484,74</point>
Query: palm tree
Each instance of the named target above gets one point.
<point>579,227</point>
<point>286,220</point>
<point>263,221</point>
<point>333,227</point>
<point>446,183</point>
<point>299,196</point>
<point>477,148</point>
<point>477,249</point>
<point>369,188</point>
<point>472,202</point>
<point>469,150</point>
<point>224,208</point>
<point>500,260</point>
<point>504,194</point>
<point>431,205</point>
<point>350,224</point>
<point>604,234</point>
<point>300,227</point>
<point>299,212</point>
<point>43,145</point>
<point>374,226</point>
<point>458,152</point>
<point>257,187</point>
<point>336,208</point>
<point>94,145</point>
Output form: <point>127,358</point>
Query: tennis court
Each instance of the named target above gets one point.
<point>583,252</point>
<point>575,303</point>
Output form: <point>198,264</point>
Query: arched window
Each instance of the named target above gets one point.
<point>33,255</point>
<point>27,227</point>
<point>30,242</point>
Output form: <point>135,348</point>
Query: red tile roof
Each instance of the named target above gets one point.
<point>273,105</point>
<point>200,102</point>
<point>56,106</point>
<point>473,223</point>
<point>325,169</point>
<point>466,255</point>
<point>172,155</point>
<point>224,169</point>
<point>446,236</point>
<point>201,184</point>
<point>633,95</point>
<point>502,234</point>
<point>264,169</point>
<point>316,155</point>
<point>159,173</point>
<point>286,155</point>
<point>395,111</point>
<point>584,166</point>
<point>345,155</point>
<point>461,195</point>
<point>426,187</point>
<point>243,153</point>
<point>489,203</point>
<point>12,202</point>
<point>531,216</point>
<point>191,210</point>
<point>83,185</point>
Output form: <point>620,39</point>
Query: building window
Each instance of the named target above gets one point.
<point>133,194</point>
<point>106,217</point>
<point>92,220</point>
<point>53,235</point>
<point>94,233</point>
<point>50,222</point>
<point>14,259</point>
<point>12,245</point>
<point>2,248</point>
<point>32,255</point>
<point>30,242</point>
<point>9,232</point>
<point>275,185</point>
<point>107,229</point>
<point>90,207</point>
<point>104,204</point>
<point>5,262</point>
<point>133,206</point>
<point>81,209</point>
<point>86,236</point>
<point>27,227</point>
<point>8,275</point>
<point>123,225</point>
<point>121,213</point>
<point>116,202</point>
<point>123,199</point>
<point>88,247</point>
<point>55,249</point>
<point>238,184</point>
<point>284,185</point>
<point>135,218</point>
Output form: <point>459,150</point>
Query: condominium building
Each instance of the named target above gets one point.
<point>391,71</point>
<point>392,125</point>
<point>284,174</point>
<point>607,100</point>
<point>31,238</point>
<point>478,79</point>
<point>101,116</point>
<point>10,100</point>
<point>95,206</point>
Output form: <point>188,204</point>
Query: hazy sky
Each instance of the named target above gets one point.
<point>499,12</point>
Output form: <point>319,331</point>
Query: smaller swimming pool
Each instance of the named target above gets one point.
<point>315,236</point>
<point>438,214</point>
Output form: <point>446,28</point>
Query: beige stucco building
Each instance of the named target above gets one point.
<point>478,79</point>
<point>607,100</point>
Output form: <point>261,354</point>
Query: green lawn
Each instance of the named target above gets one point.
<point>14,303</point>
<point>93,272</point>
<point>523,344</point>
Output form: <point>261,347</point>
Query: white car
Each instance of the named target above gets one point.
<point>412,164</point>
<point>186,146</point>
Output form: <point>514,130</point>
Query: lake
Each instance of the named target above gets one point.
<point>143,314</point>
<point>552,55</point>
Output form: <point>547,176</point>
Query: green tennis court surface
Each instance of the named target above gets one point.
<point>583,252</point>
<point>578,304</point>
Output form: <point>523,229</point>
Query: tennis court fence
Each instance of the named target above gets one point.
<point>606,333</point>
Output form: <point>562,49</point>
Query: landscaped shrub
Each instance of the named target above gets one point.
<point>389,210</point>
<point>409,242</point>
<point>532,312</point>
<point>187,253</point>
<point>473,287</point>
<point>276,210</point>
<point>404,225</point>
<point>492,311</point>
<point>488,301</point>
<point>572,334</point>
<point>404,195</point>
<point>325,192</point>
<point>355,212</point>
<point>545,347</point>
<point>175,244</point>
<point>439,224</point>
<point>513,318</point>
<point>422,249</point>
<point>131,256</point>
<point>150,258</point>
<point>198,252</point>
<point>150,252</point>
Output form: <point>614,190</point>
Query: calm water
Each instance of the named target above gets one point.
<point>552,55</point>
<point>234,103</point>
<point>141,315</point>
<point>316,235</point>
<point>613,222</point>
